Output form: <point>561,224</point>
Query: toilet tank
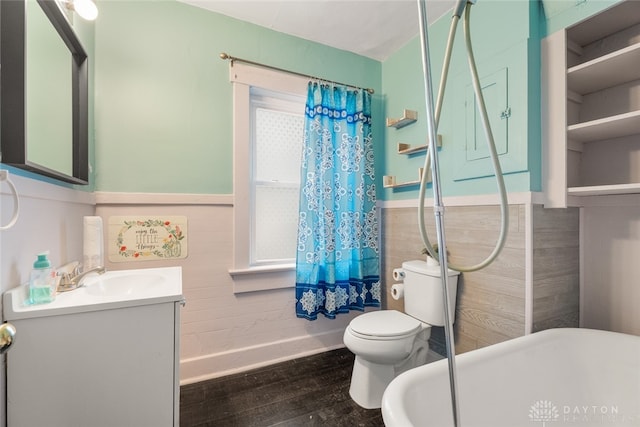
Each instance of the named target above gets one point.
<point>423,296</point>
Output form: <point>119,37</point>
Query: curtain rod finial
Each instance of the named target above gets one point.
<point>224,56</point>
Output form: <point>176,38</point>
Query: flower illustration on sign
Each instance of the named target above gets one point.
<point>171,244</point>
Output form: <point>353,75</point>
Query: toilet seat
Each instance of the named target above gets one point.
<point>384,325</point>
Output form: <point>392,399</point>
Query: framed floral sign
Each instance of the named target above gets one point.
<point>147,238</point>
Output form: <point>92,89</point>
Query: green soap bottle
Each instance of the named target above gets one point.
<point>42,281</point>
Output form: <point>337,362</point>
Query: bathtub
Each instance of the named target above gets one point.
<point>553,378</point>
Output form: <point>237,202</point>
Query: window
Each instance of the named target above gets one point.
<point>268,123</point>
<point>277,123</point>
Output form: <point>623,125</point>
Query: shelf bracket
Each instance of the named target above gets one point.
<point>389,181</point>
<point>404,148</point>
<point>408,117</point>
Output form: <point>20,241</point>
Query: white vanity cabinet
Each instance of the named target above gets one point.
<point>107,364</point>
<point>591,107</point>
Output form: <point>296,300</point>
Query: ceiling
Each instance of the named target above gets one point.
<point>372,28</point>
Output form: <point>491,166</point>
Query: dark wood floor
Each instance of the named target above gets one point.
<point>311,391</point>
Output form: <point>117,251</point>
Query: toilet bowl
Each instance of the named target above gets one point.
<point>388,342</point>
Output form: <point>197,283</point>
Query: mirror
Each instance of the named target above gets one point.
<point>44,92</point>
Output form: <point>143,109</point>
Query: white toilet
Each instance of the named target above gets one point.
<point>388,342</point>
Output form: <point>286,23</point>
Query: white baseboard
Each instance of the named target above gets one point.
<point>239,360</point>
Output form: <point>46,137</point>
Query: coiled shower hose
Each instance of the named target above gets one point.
<point>504,224</point>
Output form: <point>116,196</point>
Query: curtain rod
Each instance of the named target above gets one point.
<point>224,56</point>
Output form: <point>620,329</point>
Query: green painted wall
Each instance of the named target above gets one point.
<point>163,97</point>
<point>163,121</point>
<point>505,34</point>
<point>509,42</point>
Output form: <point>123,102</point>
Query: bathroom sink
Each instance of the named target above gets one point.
<point>115,338</point>
<point>113,289</point>
<point>123,284</point>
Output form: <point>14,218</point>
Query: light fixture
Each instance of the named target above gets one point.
<point>87,9</point>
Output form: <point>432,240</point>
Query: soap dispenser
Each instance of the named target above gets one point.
<point>42,283</point>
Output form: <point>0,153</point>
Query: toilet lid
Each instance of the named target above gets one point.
<point>385,323</point>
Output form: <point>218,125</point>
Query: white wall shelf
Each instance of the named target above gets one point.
<point>605,190</point>
<point>591,135</point>
<point>606,128</point>
<point>596,74</point>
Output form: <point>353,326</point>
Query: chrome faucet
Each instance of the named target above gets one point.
<point>73,280</point>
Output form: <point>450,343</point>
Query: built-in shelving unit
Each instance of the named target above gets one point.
<point>592,135</point>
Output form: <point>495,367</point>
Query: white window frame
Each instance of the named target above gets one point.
<point>244,77</point>
<point>286,104</point>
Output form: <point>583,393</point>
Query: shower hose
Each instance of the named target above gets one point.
<point>504,223</point>
<point>431,159</point>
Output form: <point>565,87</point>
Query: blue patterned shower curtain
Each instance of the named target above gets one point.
<point>337,267</point>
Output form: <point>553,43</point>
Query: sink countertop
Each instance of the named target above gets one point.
<point>113,289</point>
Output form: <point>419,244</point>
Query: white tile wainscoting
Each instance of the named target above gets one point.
<point>50,219</point>
<point>223,331</point>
